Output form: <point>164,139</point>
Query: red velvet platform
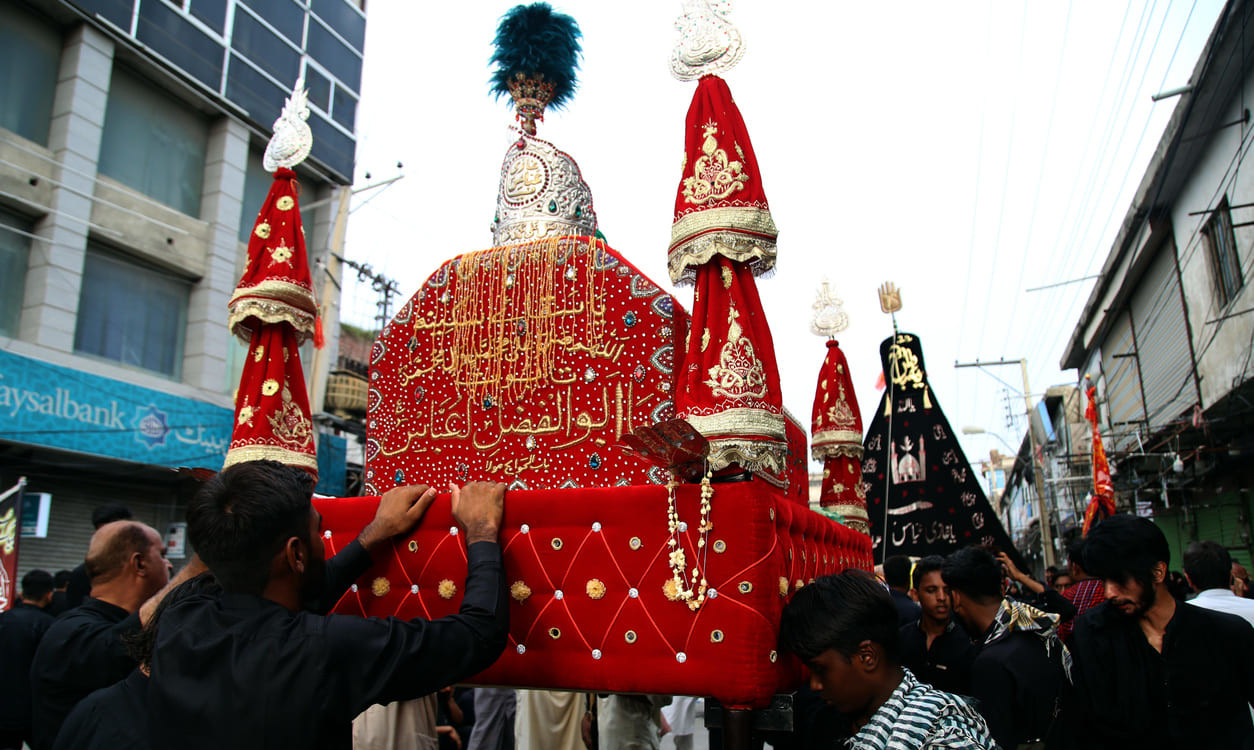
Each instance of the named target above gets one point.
<point>593,563</point>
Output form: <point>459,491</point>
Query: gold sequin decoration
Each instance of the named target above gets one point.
<point>783,586</point>
<point>634,543</point>
<point>270,387</point>
<point>774,656</point>
<point>720,546</point>
<point>554,633</point>
<point>595,589</point>
<point>799,584</point>
<point>380,586</point>
<point>258,353</point>
<point>413,545</point>
<point>716,636</point>
<point>557,543</point>
<point>745,587</point>
<point>263,230</point>
<point>630,636</point>
<point>284,203</point>
<point>520,591</point>
<point>670,590</point>
<point>447,589</point>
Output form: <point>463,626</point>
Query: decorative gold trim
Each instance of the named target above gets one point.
<point>269,312</point>
<point>752,219</point>
<point>739,421</point>
<point>244,453</point>
<point>765,458</point>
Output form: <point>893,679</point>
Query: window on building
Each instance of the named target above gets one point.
<point>14,255</point>
<point>153,143</point>
<point>30,54</point>
<point>1221,247</point>
<point>131,313</point>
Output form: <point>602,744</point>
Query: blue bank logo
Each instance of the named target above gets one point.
<point>151,426</point>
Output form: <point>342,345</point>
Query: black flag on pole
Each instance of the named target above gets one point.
<point>922,495</point>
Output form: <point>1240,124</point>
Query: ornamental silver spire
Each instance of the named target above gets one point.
<point>292,139</point>
<point>708,43</point>
<point>830,317</point>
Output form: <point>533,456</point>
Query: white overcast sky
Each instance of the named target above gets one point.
<point>962,150</point>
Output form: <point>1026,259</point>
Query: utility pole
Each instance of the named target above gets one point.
<point>329,300</point>
<point>1042,509</point>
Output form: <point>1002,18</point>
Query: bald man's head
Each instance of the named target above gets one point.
<point>122,546</point>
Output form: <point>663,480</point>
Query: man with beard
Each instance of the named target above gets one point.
<point>1151,672</point>
<point>251,669</point>
<point>934,647</point>
<point>1019,673</point>
<point>844,627</point>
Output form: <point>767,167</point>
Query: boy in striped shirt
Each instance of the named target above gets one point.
<point>844,628</point>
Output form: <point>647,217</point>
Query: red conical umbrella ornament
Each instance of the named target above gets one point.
<point>837,422</point>
<point>722,237</point>
<point>274,312</point>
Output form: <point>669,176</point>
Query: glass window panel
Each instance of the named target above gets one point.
<point>131,313</point>
<point>117,11</point>
<point>30,53</point>
<point>254,41</point>
<point>259,97</point>
<point>346,21</point>
<point>211,12</point>
<point>154,143</point>
<point>172,36</point>
<point>331,54</point>
<point>345,112</point>
<point>283,15</point>
<point>332,147</point>
<point>319,87</point>
<point>14,256</point>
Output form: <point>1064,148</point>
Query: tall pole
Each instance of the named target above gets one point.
<point>329,300</point>
<point>1042,509</point>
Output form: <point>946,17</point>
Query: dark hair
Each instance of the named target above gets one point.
<point>897,571</point>
<point>36,584</point>
<point>839,612</point>
<point>1208,565</point>
<point>240,519</point>
<point>139,643</point>
<point>929,564</point>
<point>109,513</point>
<point>107,559</point>
<point>62,579</point>
<point>1075,554</point>
<point>974,572</point>
<point>1123,548</point>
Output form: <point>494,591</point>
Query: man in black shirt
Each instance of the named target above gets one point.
<point>1019,675</point>
<point>21,629</point>
<point>78,588</point>
<point>60,603</point>
<point>1151,672</point>
<point>83,650</point>
<point>897,576</point>
<point>251,669</point>
<point>934,647</point>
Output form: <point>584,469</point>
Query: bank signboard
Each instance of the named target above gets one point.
<point>59,407</point>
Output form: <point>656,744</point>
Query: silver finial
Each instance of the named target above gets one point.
<point>708,43</point>
<point>829,316</point>
<point>292,139</point>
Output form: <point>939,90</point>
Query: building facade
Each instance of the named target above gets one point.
<point>1168,330</point>
<point>131,135</point>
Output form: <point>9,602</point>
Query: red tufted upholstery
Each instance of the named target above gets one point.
<point>726,649</point>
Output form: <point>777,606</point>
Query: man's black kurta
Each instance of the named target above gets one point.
<point>947,664</point>
<point>1195,693</point>
<point>21,629</point>
<point>241,671</point>
<point>81,652</point>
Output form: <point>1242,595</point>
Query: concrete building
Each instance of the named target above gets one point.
<point>1167,333</point>
<point>131,134</point>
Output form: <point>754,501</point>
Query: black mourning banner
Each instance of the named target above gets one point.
<point>922,495</point>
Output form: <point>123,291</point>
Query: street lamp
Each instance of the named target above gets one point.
<point>968,430</point>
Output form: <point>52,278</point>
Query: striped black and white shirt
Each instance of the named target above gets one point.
<point>919,717</point>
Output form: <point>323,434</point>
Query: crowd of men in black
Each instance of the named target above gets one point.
<point>238,650</point>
